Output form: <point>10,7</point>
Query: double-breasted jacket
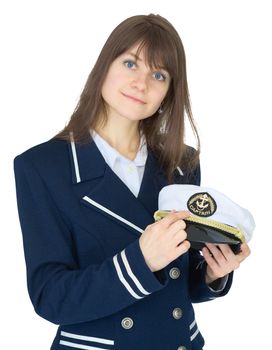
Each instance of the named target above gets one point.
<point>85,269</point>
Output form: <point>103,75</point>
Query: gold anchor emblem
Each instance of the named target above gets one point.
<point>203,199</point>
<point>202,204</point>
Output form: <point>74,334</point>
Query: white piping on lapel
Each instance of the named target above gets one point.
<point>120,218</point>
<point>180,171</point>
<point>75,157</point>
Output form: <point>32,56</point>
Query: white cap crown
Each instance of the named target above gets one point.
<point>207,203</point>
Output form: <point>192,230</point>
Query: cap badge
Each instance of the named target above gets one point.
<point>202,204</point>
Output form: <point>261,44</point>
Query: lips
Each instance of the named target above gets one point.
<point>134,98</point>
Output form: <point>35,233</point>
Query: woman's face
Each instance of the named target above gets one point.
<point>131,89</point>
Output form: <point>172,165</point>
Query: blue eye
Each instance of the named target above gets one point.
<point>159,76</point>
<point>129,64</point>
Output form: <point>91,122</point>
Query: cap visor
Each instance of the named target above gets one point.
<point>201,230</point>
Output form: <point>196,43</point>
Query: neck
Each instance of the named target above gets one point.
<point>123,136</point>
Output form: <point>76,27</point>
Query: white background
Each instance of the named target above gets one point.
<point>47,50</point>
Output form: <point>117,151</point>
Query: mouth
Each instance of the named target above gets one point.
<point>135,99</point>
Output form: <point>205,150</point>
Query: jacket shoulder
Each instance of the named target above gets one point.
<point>49,158</point>
<point>43,152</point>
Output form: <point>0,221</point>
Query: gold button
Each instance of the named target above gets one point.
<point>177,313</point>
<point>181,348</point>
<point>174,273</point>
<point>127,323</point>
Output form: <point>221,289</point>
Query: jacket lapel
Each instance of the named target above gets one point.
<point>153,181</point>
<point>105,192</point>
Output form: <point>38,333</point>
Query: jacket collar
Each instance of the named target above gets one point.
<point>87,162</point>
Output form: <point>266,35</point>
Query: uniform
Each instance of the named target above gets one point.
<point>85,270</point>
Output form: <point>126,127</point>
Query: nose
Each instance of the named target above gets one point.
<point>139,81</point>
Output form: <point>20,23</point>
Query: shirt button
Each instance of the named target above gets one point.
<point>181,348</point>
<point>127,323</point>
<point>174,273</point>
<point>177,313</point>
<point>130,169</point>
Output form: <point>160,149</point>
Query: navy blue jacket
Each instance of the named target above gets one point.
<point>85,270</point>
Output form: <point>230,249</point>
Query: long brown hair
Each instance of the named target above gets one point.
<point>164,132</point>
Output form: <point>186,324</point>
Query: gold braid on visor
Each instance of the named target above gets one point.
<point>230,231</point>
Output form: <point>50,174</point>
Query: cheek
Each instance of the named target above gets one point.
<point>115,77</point>
<point>113,84</point>
<point>159,96</point>
<point>109,87</point>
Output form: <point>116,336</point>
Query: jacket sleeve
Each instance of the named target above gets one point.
<point>199,290</point>
<point>59,289</point>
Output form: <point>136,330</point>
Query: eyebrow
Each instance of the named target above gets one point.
<point>139,59</point>
<point>134,55</point>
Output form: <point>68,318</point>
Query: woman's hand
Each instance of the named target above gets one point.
<point>165,240</point>
<point>221,260</point>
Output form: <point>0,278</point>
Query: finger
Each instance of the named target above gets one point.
<point>211,262</point>
<point>232,260</point>
<point>235,259</point>
<point>245,249</point>
<point>184,214</point>
<point>216,253</point>
<point>245,252</point>
<point>227,251</point>
<point>177,226</point>
<point>228,261</point>
<point>181,249</point>
<point>214,269</point>
<point>179,237</point>
<point>172,217</point>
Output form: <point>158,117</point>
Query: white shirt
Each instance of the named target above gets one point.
<point>129,171</point>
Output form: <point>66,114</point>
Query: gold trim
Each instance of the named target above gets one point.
<point>160,214</point>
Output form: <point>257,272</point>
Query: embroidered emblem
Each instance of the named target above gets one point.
<point>202,204</point>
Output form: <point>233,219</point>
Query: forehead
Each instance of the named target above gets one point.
<point>152,58</point>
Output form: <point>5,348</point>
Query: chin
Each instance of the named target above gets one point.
<point>133,116</point>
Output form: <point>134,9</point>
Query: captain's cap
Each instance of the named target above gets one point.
<point>210,209</point>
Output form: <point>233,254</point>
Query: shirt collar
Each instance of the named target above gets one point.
<point>111,155</point>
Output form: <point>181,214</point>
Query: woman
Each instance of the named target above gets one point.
<point>97,264</point>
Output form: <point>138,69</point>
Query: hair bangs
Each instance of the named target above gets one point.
<point>159,46</point>
<point>158,54</point>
